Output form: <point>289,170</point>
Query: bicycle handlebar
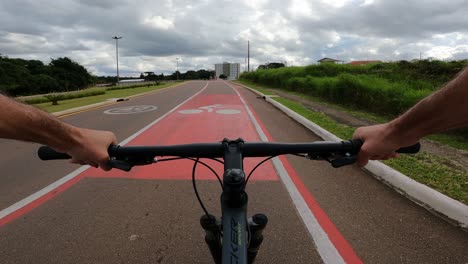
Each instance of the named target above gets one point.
<point>142,155</point>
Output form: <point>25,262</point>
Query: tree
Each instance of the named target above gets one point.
<point>25,77</point>
<point>36,67</point>
<point>271,65</point>
<point>69,74</point>
<point>222,76</point>
<point>150,76</point>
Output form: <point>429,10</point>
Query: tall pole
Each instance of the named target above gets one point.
<point>117,55</point>
<point>177,67</point>
<point>248,55</point>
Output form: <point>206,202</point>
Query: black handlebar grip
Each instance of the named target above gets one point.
<point>47,153</point>
<point>413,149</point>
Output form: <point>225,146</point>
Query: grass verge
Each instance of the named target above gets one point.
<point>255,86</point>
<point>451,139</point>
<point>73,103</point>
<point>425,168</point>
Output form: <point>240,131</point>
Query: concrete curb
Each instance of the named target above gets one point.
<point>83,108</point>
<point>108,102</point>
<point>434,201</point>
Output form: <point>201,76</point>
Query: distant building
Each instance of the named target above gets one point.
<point>364,62</point>
<point>328,60</point>
<point>231,70</point>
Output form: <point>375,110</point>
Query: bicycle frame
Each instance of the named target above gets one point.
<point>233,248</point>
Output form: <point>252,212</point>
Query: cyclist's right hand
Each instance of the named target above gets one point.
<point>379,143</point>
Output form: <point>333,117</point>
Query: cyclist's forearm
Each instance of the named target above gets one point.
<point>24,122</point>
<point>446,109</point>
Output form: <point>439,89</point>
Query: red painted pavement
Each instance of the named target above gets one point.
<point>205,126</point>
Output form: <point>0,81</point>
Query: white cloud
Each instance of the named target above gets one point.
<point>207,32</point>
<point>301,8</point>
<point>336,3</point>
<point>446,52</point>
<point>159,22</point>
<point>367,2</point>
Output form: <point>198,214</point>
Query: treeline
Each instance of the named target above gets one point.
<point>27,77</point>
<point>384,88</point>
<point>189,75</point>
<point>153,77</point>
<point>20,77</point>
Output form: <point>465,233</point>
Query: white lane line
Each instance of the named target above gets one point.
<point>324,246</point>
<point>24,202</point>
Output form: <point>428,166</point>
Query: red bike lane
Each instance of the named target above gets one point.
<point>205,118</point>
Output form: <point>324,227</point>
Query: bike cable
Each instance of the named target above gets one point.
<point>197,160</point>
<point>258,165</point>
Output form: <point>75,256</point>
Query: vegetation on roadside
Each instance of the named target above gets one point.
<point>65,96</point>
<point>26,77</point>
<point>21,77</point>
<point>425,168</point>
<point>454,140</point>
<point>81,101</point>
<point>386,89</point>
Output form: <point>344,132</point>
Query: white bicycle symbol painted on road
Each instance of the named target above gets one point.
<point>217,108</point>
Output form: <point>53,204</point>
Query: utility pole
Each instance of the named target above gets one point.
<point>117,55</point>
<point>248,55</point>
<point>177,71</point>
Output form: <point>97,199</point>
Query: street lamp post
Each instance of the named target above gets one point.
<point>177,67</point>
<point>117,55</point>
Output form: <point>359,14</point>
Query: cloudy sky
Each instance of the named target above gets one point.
<point>202,33</point>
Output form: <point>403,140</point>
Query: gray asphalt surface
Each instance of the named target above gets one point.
<point>156,221</point>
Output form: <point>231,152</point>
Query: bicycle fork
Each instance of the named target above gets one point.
<point>213,233</point>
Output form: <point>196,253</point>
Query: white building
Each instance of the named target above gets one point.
<point>231,70</point>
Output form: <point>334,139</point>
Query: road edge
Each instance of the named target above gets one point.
<point>443,206</point>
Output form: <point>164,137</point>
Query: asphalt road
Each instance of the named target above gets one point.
<point>138,218</point>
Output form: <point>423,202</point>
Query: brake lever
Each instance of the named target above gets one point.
<point>340,162</point>
<point>127,165</point>
<point>336,160</point>
<point>121,165</point>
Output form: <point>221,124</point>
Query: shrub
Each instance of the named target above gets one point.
<point>54,98</point>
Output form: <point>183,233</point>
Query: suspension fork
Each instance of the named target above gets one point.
<point>257,224</point>
<point>212,227</point>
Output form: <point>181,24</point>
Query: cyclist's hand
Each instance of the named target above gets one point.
<point>91,148</point>
<point>379,144</point>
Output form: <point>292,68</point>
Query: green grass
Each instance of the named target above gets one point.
<point>340,130</point>
<point>452,140</point>
<point>73,103</point>
<point>434,172</point>
<point>425,168</point>
<point>255,86</point>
